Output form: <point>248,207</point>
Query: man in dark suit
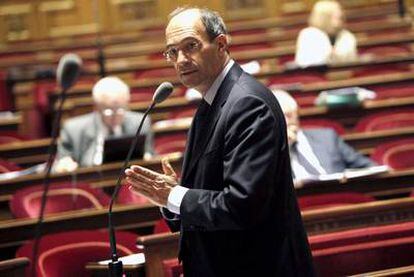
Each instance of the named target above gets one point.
<point>316,151</point>
<point>235,204</point>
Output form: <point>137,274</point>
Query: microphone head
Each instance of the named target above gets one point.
<point>68,70</point>
<point>163,91</point>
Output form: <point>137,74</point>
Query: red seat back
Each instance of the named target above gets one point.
<point>170,143</point>
<point>332,199</point>
<point>397,154</point>
<point>359,235</point>
<point>7,166</point>
<point>125,196</point>
<point>172,268</point>
<point>161,227</point>
<point>66,254</point>
<point>364,257</point>
<point>386,120</point>
<point>61,197</point>
<point>296,78</point>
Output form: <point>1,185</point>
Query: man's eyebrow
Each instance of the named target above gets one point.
<point>182,41</point>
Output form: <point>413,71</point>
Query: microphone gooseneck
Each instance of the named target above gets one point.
<point>161,93</point>
<point>67,73</point>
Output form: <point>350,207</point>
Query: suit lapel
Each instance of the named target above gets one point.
<point>191,159</point>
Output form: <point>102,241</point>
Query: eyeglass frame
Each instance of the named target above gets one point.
<point>186,50</point>
<point>108,112</point>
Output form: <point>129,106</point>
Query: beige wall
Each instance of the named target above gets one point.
<point>22,20</point>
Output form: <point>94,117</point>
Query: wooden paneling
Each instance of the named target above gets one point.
<point>21,20</point>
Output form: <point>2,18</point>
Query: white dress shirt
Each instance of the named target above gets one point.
<point>177,193</point>
<point>305,149</point>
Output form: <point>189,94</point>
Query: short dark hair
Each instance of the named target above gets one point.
<point>212,21</point>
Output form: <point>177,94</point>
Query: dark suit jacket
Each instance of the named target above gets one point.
<point>78,136</point>
<point>333,153</point>
<point>240,216</point>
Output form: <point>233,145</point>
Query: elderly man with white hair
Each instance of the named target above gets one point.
<point>81,138</point>
<point>315,151</point>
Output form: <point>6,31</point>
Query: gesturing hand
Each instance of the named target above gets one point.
<point>150,184</point>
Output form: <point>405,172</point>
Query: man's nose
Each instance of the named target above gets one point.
<point>181,57</point>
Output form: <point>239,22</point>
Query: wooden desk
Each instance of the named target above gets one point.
<point>160,247</point>
<point>126,217</point>
<point>13,267</point>
<point>104,172</point>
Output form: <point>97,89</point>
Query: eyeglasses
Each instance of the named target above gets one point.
<point>111,112</point>
<point>188,48</point>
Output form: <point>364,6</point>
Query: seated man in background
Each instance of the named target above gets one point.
<point>82,137</point>
<point>325,40</point>
<point>318,151</point>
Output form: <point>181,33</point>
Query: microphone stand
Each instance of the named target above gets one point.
<point>115,266</point>
<point>46,179</point>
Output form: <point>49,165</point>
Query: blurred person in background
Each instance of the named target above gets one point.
<point>82,137</point>
<point>316,151</point>
<point>325,40</point>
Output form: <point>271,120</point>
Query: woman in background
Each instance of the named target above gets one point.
<point>325,40</point>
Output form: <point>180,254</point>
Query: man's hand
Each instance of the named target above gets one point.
<point>150,184</point>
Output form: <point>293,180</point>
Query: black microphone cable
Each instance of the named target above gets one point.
<point>115,266</point>
<point>67,74</point>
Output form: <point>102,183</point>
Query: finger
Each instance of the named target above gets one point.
<point>144,171</point>
<point>138,184</point>
<point>140,178</point>
<point>167,168</point>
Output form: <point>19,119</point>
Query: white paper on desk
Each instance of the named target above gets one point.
<point>354,173</point>
<point>31,170</point>
<point>347,174</point>
<point>373,170</point>
<point>134,259</point>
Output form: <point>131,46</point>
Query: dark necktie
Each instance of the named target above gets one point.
<point>199,122</point>
<point>303,161</point>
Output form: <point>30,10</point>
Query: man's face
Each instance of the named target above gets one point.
<point>196,60</point>
<point>292,122</point>
<point>112,110</point>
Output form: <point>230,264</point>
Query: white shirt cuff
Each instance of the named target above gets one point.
<point>174,199</point>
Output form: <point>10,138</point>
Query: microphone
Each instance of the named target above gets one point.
<point>160,94</point>
<point>163,91</point>
<point>67,73</point>
<point>68,70</point>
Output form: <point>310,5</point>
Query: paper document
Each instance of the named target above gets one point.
<point>134,259</point>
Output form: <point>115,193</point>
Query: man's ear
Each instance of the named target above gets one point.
<point>222,42</point>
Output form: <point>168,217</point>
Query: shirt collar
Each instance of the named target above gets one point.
<point>212,91</point>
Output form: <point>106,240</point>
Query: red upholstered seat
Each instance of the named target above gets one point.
<point>356,236</point>
<point>397,154</point>
<point>161,227</point>
<point>296,78</point>
<point>61,197</point>
<point>125,196</point>
<point>332,200</point>
<point>403,90</point>
<point>170,143</point>
<point>5,97</point>
<point>9,137</point>
<point>172,268</point>
<point>386,50</point>
<point>323,123</point>
<point>66,254</point>
<point>183,112</point>
<point>7,166</point>
<point>380,70</point>
<point>364,257</point>
<point>156,73</point>
<point>386,120</point>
